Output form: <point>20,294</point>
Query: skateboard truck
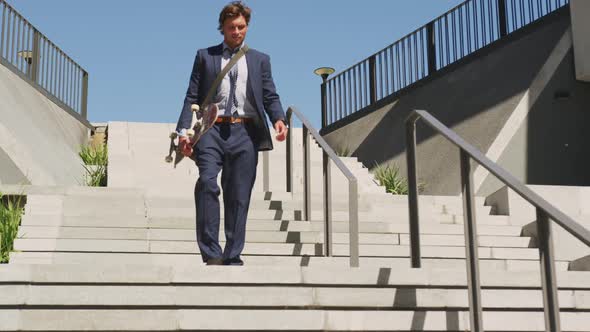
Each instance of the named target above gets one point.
<point>178,156</point>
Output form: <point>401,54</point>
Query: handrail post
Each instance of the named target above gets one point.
<point>502,23</point>
<point>550,297</point>
<point>3,28</point>
<point>430,48</point>
<point>327,204</point>
<point>413,192</point>
<point>306,176</point>
<point>353,228</point>
<point>471,245</point>
<point>84,110</point>
<point>36,56</point>
<point>265,172</point>
<point>289,147</point>
<point>373,79</point>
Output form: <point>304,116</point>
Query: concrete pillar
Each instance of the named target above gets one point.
<point>580,11</point>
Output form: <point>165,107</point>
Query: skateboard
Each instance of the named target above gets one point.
<point>203,120</point>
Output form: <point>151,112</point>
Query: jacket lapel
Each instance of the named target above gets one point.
<point>218,52</point>
<point>252,73</point>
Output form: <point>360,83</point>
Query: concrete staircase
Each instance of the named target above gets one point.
<point>124,258</point>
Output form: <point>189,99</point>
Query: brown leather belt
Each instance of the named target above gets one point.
<point>229,119</point>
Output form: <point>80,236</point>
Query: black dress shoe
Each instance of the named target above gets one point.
<point>233,261</point>
<point>215,261</point>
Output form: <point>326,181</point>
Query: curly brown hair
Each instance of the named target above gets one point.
<point>234,9</point>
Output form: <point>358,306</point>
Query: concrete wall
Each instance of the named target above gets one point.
<point>476,99</point>
<point>551,147</point>
<point>580,11</point>
<point>39,142</point>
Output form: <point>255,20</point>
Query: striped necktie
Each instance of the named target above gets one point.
<point>232,102</point>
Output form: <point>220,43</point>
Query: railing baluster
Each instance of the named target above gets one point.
<point>2,28</point>
<point>446,37</point>
<point>386,67</point>
<point>12,41</point>
<point>404,64</point>
<point>356,103</point>
<point>430,48</point>
<point>36,57</point>
<point>372,80</point>
<point>84,111</point>
<point>502,17</point>
<point>546,251</point>
<point>334,102</point>
<point>54,60</point>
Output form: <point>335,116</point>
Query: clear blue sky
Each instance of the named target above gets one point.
<point>139,54</point>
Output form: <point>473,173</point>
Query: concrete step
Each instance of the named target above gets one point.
<point>41,232</point>
<point>276,320</point>
<point>266,225</point>
<point>189,260</point>
<point>294,275</point>
<point>132,296</point>
<point>44,195</point>
<point>188,247</point>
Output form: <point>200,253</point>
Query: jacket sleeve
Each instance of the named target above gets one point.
<point>271,100</point>
<point>192,95</point>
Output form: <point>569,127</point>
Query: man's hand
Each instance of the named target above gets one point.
<point>281,130</point>
<point>185,146</point>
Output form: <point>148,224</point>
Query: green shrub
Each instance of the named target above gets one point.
<point>94,155</point>
<point>10,217</point>
<point>389,177</point>
<point>95,159</point>
<point>343,152</point>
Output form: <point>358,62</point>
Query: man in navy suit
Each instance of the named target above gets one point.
<point>231,146</point>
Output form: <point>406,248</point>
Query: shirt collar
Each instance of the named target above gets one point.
<point>227,48</point>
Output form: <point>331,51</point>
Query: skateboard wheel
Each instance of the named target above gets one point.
<point>195,108</point>
<point>168,159</point>
<point>173,135</point>
<point>190,133</point>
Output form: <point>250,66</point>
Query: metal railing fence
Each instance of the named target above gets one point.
<point>461,31</point>
<point>328,155</point>
<point>41,62</point>
<point>545,212</point>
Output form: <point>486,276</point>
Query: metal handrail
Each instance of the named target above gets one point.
<point>545,211</point>
<point>327,154</point>
<point>26,51</point>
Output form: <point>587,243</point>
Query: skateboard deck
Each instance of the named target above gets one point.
<point>203,120</point>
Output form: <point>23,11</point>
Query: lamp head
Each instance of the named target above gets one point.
<point>27,55</point>
<point>324,72</point>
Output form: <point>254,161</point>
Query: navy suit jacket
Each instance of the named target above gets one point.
<point>260,90</point>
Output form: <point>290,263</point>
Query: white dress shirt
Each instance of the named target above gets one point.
<point>245,108</point>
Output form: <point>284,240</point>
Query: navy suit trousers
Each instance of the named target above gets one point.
<point>228,148</point>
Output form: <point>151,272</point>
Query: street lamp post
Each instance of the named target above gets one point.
<point>324,72</point>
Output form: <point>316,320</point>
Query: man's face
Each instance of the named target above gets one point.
<point>234,31</point>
